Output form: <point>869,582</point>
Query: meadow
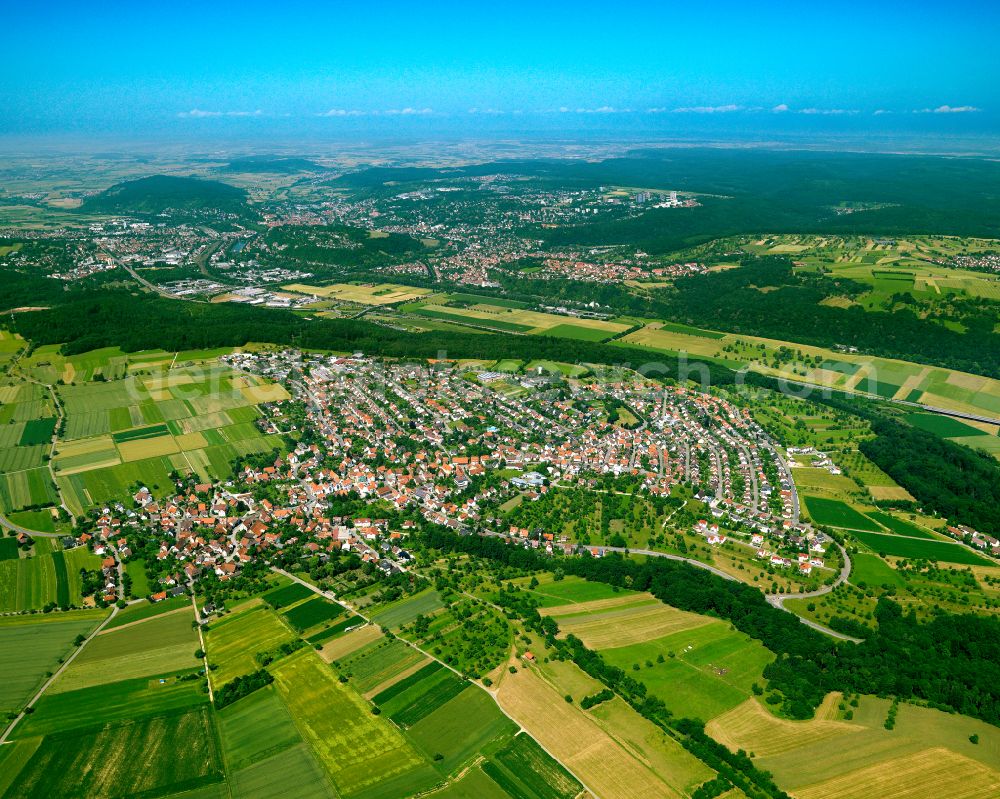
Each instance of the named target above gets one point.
<point>698,672</point>
<point>927,751</point>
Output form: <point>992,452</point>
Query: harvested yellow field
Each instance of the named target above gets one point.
<point>934,772</point>
<point>675,342</point>
<point>889,493</point>
<point>266,393</point>
<point>84,446</point>
<point>537,321</point>
<point>191,441</point>
<point>598,605</point>
<point>577,741</point>
<point>378,294</point>
<point>615,628</point>
<point>163,382</point>
<point>147,448</point>
<point>752,728</point>
<point>665,756</point>
<point>345,644</point>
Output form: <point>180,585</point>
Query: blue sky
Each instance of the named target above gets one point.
<point>141,68</point>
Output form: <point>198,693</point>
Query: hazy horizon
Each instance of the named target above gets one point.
<point>912,72</point>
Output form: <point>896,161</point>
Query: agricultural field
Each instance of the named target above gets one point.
<point>363,753</point>
<point>621,621</point>
<point>698,671</point>
<point>927,750</point>
<point>379,661</point>
<point>233,641</point>
<point>363,294</point>
<point>913,548</point>
<point>160,646</point>
<point>180,751</point>
<point>403,612</point>
<point>570,590</point>
<point>110,703</point>
<point>514,318</point>
<point>883,377</point>
<point>31,646</point>
<point>119,433</point>
<point>835,513</point>
<point>128,419</point>
<point>312,612</point>
<point>602,760</point>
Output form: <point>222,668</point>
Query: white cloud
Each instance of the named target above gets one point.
<point>408,111</point>
<point>708,109</point>
<point>780,108</point>
<point>949,109</point>
<point>881,112</point>
<point>197,113</point>
<point>828,111</point>
<point>487,111</point>
<point>340,112</point>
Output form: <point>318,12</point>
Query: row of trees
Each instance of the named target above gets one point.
<point>951,662</point>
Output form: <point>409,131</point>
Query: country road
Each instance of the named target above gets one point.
<point>329,595</point>
<point>776,600</point>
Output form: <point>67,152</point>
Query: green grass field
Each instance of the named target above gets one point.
<point>110,702</point>
<point>577,332</point>
<point>30,646</point>
<point>944,426</point>
<point>570,590</point>
<point>312,612</point>
<point>292,774</point>
<point>146,610</point>
<point>403,612</point>
<point>179,751</point>
<point>705,671</point>
<point>378,661</point>
<point>872,570</point>
<point>156,647</point>
<point>900,526</point>
<point>900,547</point>
<point>256,727</point>
<point>424,697</point>
<point>835,513</point>
<point>523,768</point>
<point>285,595</point>
<point>461,728</point>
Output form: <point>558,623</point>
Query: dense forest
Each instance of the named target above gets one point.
<point>958,482</point>
<point>951,662</point>
<point>754,190</point>
<point>158,193</point>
